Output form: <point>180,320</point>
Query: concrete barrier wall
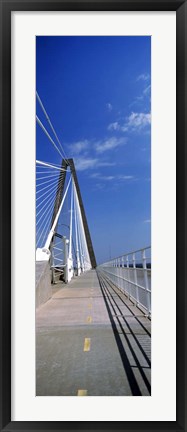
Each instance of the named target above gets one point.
<point>43,282</point>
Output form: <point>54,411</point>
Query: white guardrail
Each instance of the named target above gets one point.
<point>131,273</point>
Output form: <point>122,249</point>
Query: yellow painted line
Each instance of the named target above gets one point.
<point>89,319</point>
<point>82,393</point>
<point>87,343</point>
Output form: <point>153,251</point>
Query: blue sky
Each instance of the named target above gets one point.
<point>97,92</point>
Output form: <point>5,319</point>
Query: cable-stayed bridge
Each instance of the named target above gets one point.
<point>93,322</point>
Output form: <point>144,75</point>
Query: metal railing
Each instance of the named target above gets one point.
<point>131,273</point>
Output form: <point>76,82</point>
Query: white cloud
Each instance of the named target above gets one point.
<point>125,177</point>
<point>147,90</point>
<point>107,178</point>
<point>84,163</point>
<point>109,144</point>
<point>99,186</point>
<point>143,77</point>
<point>109,106</point>
<point>135,121</point>
<point>95,175</point>
<point>124,128</point>
<point>145,95</point>
<point>114,126</point>
<point>138,120</point>
<point>100,146</point>
<point>104,164</point>
<point>111,177</point>
<point>138,99</point>
<point>79,146</point>
<point>102,177</point>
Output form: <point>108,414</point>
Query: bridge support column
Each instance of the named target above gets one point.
<point>78,267</point>
<point>70,270</point>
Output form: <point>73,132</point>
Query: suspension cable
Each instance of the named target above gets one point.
<point>47,134</point>
<point>49,121</point>
<point>45,164</point>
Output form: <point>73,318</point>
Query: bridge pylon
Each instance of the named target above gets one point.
<point>84,262</point>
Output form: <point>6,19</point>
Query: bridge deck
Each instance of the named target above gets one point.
<point>91,340</point>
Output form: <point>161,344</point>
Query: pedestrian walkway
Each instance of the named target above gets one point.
<point>91,341</point>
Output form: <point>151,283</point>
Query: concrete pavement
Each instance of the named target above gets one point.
<point>91,341</point>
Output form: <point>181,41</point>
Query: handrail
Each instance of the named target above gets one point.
<point>130,278</point>
<point>126,254</point>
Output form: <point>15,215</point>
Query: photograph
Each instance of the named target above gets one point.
<point>93,220</point>
<point>93,215</point>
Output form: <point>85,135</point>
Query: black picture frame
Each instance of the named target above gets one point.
<point>6,7</point>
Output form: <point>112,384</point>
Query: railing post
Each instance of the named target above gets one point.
<point>52,262</point>
<point>135,278</point>
<point>129,288</point>
<point>119,273</point>
<point>146,281</point>
<point>122,272</point>
<point>65,259</point>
